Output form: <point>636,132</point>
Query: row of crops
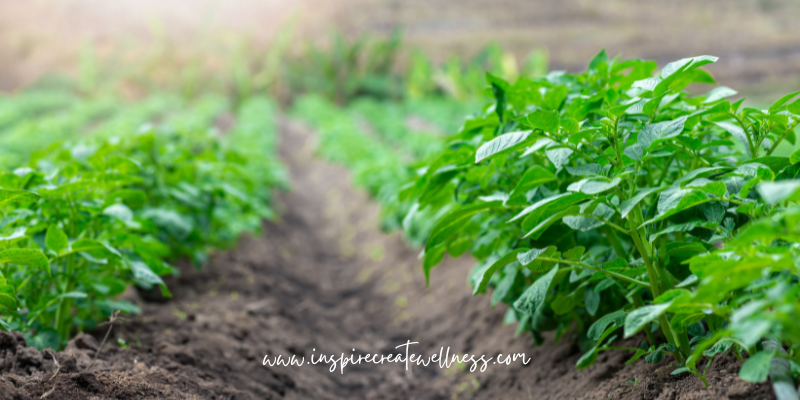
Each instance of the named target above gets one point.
<point>627,207</point>
<point>614,205</point>
<point>99,195</point>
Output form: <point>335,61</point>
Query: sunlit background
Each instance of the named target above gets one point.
<point>753,38</point>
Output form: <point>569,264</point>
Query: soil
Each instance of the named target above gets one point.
<point>323,279</point>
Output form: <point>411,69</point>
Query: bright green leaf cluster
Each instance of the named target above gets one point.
<point>615,199</point>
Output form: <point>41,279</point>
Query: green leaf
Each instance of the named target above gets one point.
<point>675,201</point>
<point>687,64</point>
<point>502,262</point>
<point>17,196</point>
<point>794,108</point>
<point>599,326</point>
<point>602,56</point>
<point>8,297</point>
<point>653,133</point>
<point>756,368</point>
<point>584,170</point>
<point>591,301</point>
<point>534,177</point>
<point>455,220</point>
<point>539,229</point>
<point>795,157</point>
<point>776,106</point>
<point>505,142</point>
<point>26,257</point>
<point>587,359</point>
<point>737,132</point>
<point>73,295</point>
<point>639,353</point>
<point>594,185</point>
<point>778,192</point>
<point>56,239</point>
<point>627,206</point>
<point>556,202</point>
<point>532,300</point>
<point>719,94</point>
<point>547,121</point>
<point>130,197</point>
<point>531,255</point>
<point>639,318</point>
<point>776,164</point>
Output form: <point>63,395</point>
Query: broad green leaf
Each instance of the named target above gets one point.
<point>93,247</point>
<point>584,170</point>
<point>18,233</point>
<point>719,93</point>
<point>591,301</point>
<point>687,64</point>
<point>454,220</point>
<point>776,164</point>
<point>502,262</point>
<point>539,229</point>
<point>533,298</point>
<point>643,316</point>
<point>737,132</point>
<point>17,196</point>
<point>600,57</point>
<point>648,84</point>
<point>530,256</point>
<point>653,133</point>
<point>599,326</point>
<point>794,108</point>
<point>780,191</point>
<point>534,177</point>
<point>547,121</point>
<point>634,151</point>
<point>8,297</point>
<point>795,157</point>
<point>142,273</point>
<point>776,106</point>
<point>556,202</point>
<point>26,257</point>
<point>583,224</point>
<point>505,142</point>
<point>174,223</point>
<point>594,185</point>
<point>5,325</point>
<point>675,201</point>
<point>756,368</point>
<point>130,197</point>
<point>119,211</point>
<point>56,239</point>
<point>558,155</point>
<point>627,206</point>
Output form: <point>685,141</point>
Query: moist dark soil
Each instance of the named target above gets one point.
<point>324,280</point>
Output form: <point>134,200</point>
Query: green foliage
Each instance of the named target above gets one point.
<point>87,218</point>
<point>614,198</point>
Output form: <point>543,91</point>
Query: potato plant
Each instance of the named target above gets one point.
<point>614,202</point>
<point>85,220</point>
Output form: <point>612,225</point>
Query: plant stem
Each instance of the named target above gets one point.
<point>780,139</point>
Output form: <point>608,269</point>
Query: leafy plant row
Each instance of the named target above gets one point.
<point>89,218</point>
<point>379,160</point>
<point>613,202</point>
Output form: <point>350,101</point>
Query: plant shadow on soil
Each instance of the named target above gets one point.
<point>324,278</point>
